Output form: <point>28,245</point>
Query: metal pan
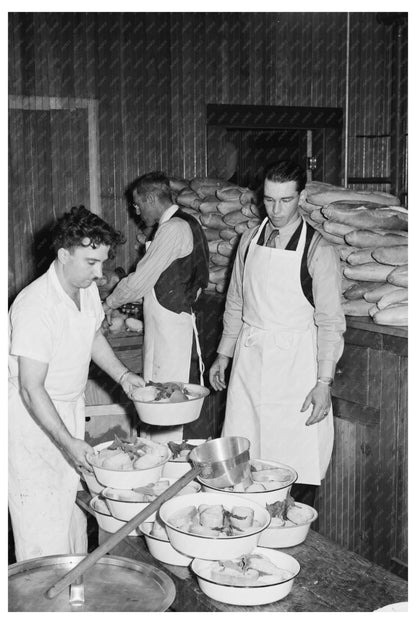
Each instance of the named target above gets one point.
<point>113,584</point>
<point>223,462</point>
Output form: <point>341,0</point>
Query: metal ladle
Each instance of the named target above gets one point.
<point>222,462</point>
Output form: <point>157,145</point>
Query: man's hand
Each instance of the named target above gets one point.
<point>217,372</point>
<point>320,398</point>
<point>130,381</point>
<point>76,451</point>
<point>108,312</point>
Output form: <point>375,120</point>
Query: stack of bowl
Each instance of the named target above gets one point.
<point>118,495</point>
<point>114,501</point>
<point>203,550</point>
<point>278,534</point>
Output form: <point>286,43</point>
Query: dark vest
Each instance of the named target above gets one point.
<point>305,277</point>
<point>177,286</point>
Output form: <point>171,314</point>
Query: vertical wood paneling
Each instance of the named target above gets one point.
<point>295,59</point>
<point>27,48</point>
<point>154,73</point>
<point>17,258</point>
<point>270,75</point>
<point>200,137</point>
<point>108,83</point>
<point>80,55</point>
<point>245,52</point>
<point>401,502</point>
<point>370,97</point>
<point>53,22</point>
<point>187,77</point>
<point>283,69</point>
<point>131,83</point>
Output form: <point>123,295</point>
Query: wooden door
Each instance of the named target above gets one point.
<point>49,172</point>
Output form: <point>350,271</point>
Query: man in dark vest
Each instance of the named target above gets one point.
<point>169,278</point>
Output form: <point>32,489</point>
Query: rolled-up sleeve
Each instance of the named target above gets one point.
<point>325,270</point>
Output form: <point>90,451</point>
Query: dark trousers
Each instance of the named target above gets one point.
<point>304,493</point>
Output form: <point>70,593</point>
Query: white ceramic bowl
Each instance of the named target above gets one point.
<point>262,496</point>
<point>162,549</point>
<point>178,467</point>
<point>127,479</point>
<point>170,414</point>
<point>122,503</point>
<point>105,520</point>
<point>93,486</point>
<point>207,547</point>
<point>251,595</point>
<point>287,536</point>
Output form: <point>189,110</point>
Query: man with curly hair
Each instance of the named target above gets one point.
<point>55,331</point>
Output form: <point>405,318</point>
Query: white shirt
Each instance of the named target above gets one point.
<point>40,323</point>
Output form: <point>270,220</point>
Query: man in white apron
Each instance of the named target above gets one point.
<point>283,326</point>
<point>54,332</point>
<point>170,277</point>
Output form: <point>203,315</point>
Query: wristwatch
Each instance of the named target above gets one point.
<point>328,381</point>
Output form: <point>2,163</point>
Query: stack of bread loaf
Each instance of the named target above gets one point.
<point>367,228</point>
<point>225,211</point>
<point>369,232</point>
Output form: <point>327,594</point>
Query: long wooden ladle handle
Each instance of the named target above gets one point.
<point>116,538</point>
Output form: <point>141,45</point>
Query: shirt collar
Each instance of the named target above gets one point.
<point>286,230</point>
<point>169,212</point>
<point>61,293</point>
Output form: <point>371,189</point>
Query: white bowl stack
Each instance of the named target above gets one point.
<point>275,536</point>
<point>125,504</point>
<point>205,550</point>
<point>161,548</point>
<point>114,498</point>
<point>105,519</point>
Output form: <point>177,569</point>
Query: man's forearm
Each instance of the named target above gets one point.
<point>43,410</point>
<point>103,355</point>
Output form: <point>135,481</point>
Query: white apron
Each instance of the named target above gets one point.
<point>42,484</point>
<point>275,366</point>
<point>167,349</point>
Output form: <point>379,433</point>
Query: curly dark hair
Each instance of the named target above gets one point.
<point>74,227</point>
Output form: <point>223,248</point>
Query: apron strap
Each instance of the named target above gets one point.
<point>198,350</point>
<point>257,233</point>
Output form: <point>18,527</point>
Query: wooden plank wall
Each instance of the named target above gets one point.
<point>363,500</point>
<point>153,75</point>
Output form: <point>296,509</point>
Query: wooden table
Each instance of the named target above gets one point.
<point>331,578</point>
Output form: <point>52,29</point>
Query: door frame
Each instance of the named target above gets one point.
<point>308,118</point>
<point>22,102</point>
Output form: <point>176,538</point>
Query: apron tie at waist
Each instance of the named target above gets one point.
<point>281,339</point>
